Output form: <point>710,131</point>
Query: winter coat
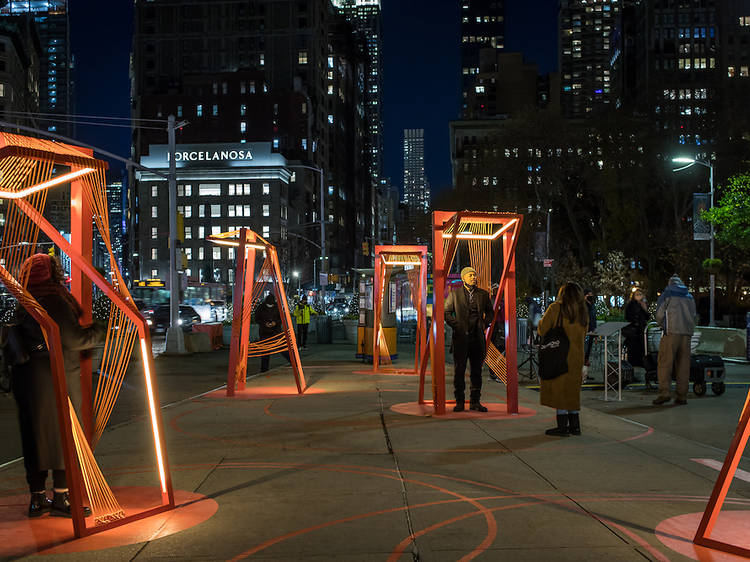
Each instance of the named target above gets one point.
<point>564,392</point>
<point>457,314</point>
<point>675,310</point>
<point>302,313</point>
<point>268,319</point>
<point>34,387</point>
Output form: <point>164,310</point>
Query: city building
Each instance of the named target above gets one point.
<point>585,30</point>
<point>388,212</point>
<point>482,27</point>
<point>220,187</point>
<point>55,61</point>
<point>287,73</point>
<point>19,70</point>
<point>416,187</point>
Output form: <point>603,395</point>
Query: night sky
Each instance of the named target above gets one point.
<point>421,59</point>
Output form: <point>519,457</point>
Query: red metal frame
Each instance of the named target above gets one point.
<point>721,488</point>
<point>421,343</point>
<point>247,242</point>
<point>509,227</point>
<point>82,274</point>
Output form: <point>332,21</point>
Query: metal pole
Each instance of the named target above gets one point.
<point>175,337</point>
<point>323,265</point>
<point>712,277</point>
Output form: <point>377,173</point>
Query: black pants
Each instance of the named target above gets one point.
<point>266,359</point>
<point>302,334</point>
<point>473,350</point>
<point>38,480</point>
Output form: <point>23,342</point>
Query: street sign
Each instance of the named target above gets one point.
<point>548,262</point>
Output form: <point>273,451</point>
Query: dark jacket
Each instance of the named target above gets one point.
<point>268,319</point>
<point>636,315</point>
<point>457,313</point>
<point>33,385</point>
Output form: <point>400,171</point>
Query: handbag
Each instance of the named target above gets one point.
<point>553,352</point>
<point>11,343</point>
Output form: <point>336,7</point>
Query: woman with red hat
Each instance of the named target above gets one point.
<point>33,387</point>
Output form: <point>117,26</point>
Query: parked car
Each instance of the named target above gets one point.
<point>158,318</point>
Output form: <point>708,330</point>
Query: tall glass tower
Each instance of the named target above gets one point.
<point>56,62</point>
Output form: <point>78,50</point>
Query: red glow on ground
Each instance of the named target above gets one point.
<point>21,536</point>
<point>495,411</point>
<point>732,527</point>
<point>390,372</point>
<point>261,393</point>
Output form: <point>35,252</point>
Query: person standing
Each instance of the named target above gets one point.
<point>268,318</point>
<point>564,392</point>
<point>591,309</point>
<point>469,313</point>
<point>34,387</point>
<point>636,312</point>
<point>302,314</point>
<point>675,313</point>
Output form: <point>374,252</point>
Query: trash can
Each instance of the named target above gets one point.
<point>323,328</point>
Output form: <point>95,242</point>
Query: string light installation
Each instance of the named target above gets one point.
<point>26,168</point>
<point>248,288</point>
<point>413,259</point>
<point>480,230</point>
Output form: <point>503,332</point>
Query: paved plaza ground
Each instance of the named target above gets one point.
<point>340,473</point>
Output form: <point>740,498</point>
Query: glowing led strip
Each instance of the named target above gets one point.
<point>386,262</point>
<point>471,236</point>
<point>235,244</point>
<point>39,187</point>
<point>152,409</point>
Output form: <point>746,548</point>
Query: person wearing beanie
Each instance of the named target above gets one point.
<point>33,384</point>
<point>675,313</point>
<point>469,312</point>
<point>268,318</point>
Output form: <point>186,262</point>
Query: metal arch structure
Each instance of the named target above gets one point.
<point>26,168</point>
<point>392,256</point>
<point>247,243</point>
<point>721,488</point>
<point>448,229</point>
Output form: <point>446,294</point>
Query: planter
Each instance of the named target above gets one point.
<point>350,327</point>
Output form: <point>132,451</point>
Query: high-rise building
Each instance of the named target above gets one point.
<point>55,62</point>
<point>286,73</point>
<point>585,30</point>
<point>482,27</point>
<point>416,188</point>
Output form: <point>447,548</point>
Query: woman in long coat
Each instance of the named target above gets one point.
<point>564,392</point>
<point>33,385</point>
<point>637,314</point>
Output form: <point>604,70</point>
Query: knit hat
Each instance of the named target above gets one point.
<point>675,280</point>
<point>38,268</point>
<point>466,270</point>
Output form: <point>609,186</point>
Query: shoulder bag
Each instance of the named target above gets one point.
<point>553,352</point>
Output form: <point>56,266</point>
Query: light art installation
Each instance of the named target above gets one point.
<point>414,260</point>
<point>480,230</point>
<point>26,168</point>
<point>248,288</point>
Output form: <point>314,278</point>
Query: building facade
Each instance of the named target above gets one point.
<point>482,27</point>
<point>416,187</point>
<point>287,73</point>
<point>585,30</point>
<point>55,61</point>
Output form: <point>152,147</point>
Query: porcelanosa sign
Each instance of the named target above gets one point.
<point>217,155</point>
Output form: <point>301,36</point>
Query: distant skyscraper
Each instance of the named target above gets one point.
<point>482,26</point>
<point>585,52</point>
<point>56,62</point>
<point>416,188</point>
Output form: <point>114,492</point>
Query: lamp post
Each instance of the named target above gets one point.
<point>295,274</point>
<point>323,263</point>
<point>712,278</point>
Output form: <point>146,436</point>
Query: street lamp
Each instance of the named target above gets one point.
<point>295,274</point>
<point>712,278</point>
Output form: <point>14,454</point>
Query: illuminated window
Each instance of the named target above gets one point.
<point>188,253</point>
<point>216,253</point>
<point>266,210</point>
<point>154,212</point>
<point>199,110</point>
<point>302,57</point>
<point>213,189</point>
<point>201,232</point>
<point>154,191</point>
<point>215,210</point>
<point>179,111</point>
<point>214,110</point>
<point>154,232</point>
<point>201,253</point>
<point>266,231</point>
<point>2,90</point>
<point>188,233</point>
<point>154,254</point>
<point>243,126</point>
<point>154,273</point>
<point>230,211</point>
<point>262,59</point>
<point>266,188</point>
<point>479,89</point>
<point>201,211</point>
<point>246,210</point>
<point>243,109</point>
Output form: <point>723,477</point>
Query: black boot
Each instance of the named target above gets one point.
<point>477,406</point>
<point>574,424</point>
<point>61,505</point>
<point>459,407</point>
<point>39,504</point>
<point>562,426</point>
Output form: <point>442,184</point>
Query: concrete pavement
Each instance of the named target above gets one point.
<point>335,474</point>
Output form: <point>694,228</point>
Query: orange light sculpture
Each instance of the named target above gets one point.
<point>246,292</point>
<point>721,488</point>
<point>386,258</point>
<point>479,230</point>
<point>26,168</point>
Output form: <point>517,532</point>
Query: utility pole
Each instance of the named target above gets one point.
<point>175,337</point>
<point>712,276</point>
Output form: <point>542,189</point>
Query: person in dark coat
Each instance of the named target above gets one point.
<point>564,392</point>
<point>636,312</point>
<point>33,384</point>
<point>469,312</point>
<point>590,298</point>
<point>268,318</point>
